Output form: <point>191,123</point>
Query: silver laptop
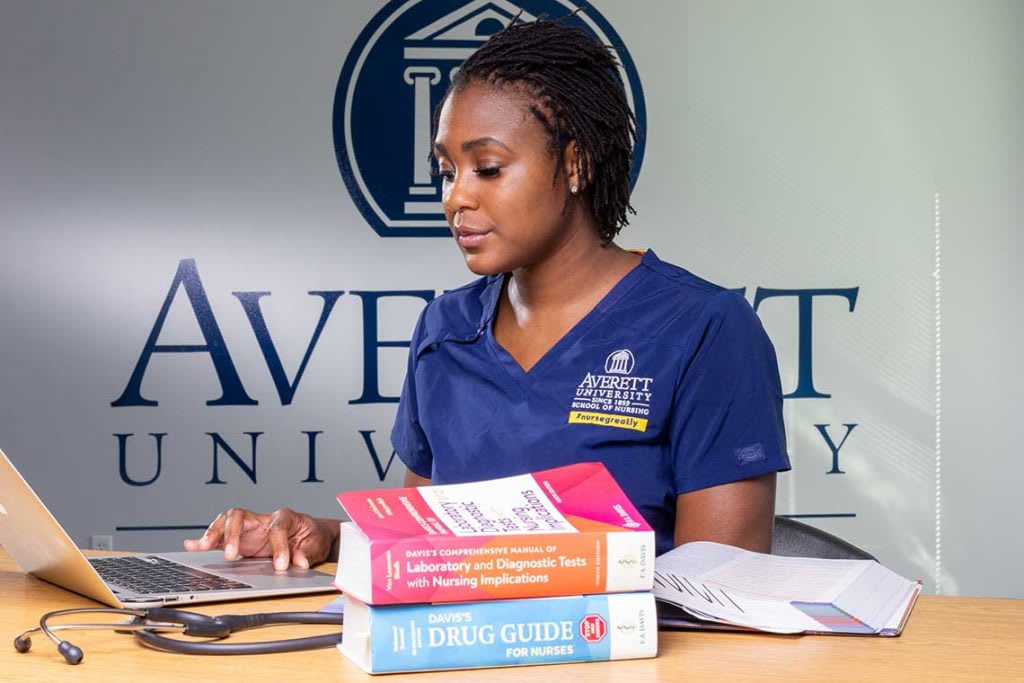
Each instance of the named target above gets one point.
<point>40,545</point>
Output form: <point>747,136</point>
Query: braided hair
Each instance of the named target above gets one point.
<point>580,97</point>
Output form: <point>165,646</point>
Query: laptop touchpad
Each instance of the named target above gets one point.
<point>250,567</point>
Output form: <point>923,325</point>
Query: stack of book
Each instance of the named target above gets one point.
<point>555,566</point>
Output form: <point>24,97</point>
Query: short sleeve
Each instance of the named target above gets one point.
<point>407,436</point>
<point>727,410</point>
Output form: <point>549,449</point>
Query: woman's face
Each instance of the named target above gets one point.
<point>498,176</point>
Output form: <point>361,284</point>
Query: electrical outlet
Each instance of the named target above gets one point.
<point>101,542</point>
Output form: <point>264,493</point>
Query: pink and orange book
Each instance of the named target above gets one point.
<point>564,531</point>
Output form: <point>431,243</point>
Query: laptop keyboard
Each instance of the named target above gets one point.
<point>156,575</point>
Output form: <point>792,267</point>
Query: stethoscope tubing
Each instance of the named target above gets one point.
<point>214,629</point>
<point>156,641</point>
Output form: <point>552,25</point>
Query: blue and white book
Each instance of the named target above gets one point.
<point>467,635</point>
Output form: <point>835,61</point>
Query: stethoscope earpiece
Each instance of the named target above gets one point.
<point>22,643</point>
<point>72,653</point>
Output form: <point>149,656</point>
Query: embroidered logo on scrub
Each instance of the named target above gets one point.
<point>750,454</point>
<point>616,398</point>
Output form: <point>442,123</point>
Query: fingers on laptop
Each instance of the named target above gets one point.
<point>231,532</point>
<point>283,525</point>
<point>225,532</point>
<point>287,536</point>
<point>209,537</point>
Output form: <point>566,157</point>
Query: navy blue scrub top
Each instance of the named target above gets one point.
<point>670,381</point>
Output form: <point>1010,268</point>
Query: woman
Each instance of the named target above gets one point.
<point>569,348</point>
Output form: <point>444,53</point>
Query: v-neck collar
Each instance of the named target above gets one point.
<point>490,297</point>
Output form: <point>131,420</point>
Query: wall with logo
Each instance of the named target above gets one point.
<point>218,229</point>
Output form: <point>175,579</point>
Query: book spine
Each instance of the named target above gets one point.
<point>503,633</point>
<point>458,569</point>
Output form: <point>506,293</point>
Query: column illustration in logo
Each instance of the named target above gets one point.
<point>619,362</point>
<point>395,74</point>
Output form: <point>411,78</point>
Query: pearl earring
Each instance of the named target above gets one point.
<point>574,190</point>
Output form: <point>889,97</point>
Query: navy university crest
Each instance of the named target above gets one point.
<point>396,73</point>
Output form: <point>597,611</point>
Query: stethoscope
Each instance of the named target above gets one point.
<point>147,624</point>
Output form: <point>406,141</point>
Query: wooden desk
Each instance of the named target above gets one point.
<point>947,639</point>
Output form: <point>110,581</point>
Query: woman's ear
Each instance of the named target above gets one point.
<point>571,164</point>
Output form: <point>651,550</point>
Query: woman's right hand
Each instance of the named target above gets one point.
<point>289,537</point>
